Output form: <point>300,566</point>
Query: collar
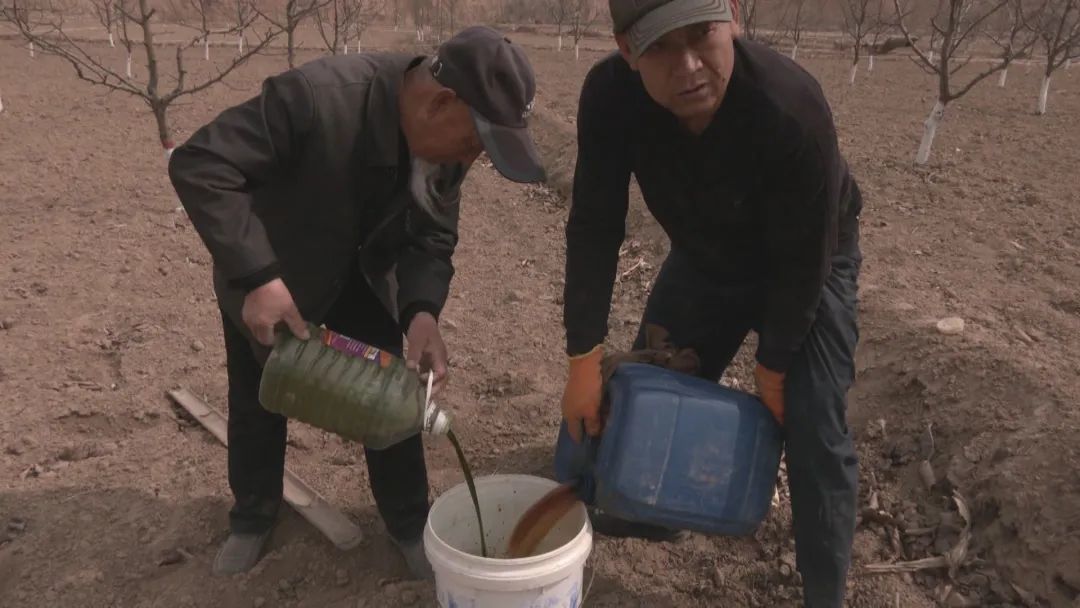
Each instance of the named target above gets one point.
<point>383,141</point>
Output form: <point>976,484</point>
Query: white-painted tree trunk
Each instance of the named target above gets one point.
<point>240,43</point>
<point>854,71</point>
<point>419,34</point>
<point>1,104</point>
<point>1044,93</point>
<point>31,46</point>
<point>1004,77</point>
<point>577,50</point>
<point>1068,63</point>
<point>357,46</point>
<point>870,66</point>
<point>206,48</point>
<point>795,52</point>
<point>112,41</point>
<point>560,43</point>
<point>345,48</point>
<point>128,68</point>
<point>930,132</point>
<point>931,55</point>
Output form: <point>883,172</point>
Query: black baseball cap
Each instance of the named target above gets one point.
<point>493,76</point>
<point>646,21</point>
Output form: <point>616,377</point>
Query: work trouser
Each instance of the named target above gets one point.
<point>714,318</point>
<point>257,437</point>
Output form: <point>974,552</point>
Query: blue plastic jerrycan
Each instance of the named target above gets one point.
<point>677,451</point>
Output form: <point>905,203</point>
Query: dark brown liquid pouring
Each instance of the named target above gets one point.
<point>538,521</point>
<point>472,489</point>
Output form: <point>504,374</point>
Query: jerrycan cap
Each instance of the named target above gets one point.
<point>436,420</point>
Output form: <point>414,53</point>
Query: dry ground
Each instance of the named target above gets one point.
<point>106,302</point>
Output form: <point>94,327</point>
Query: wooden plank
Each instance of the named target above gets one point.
<point>313,507</point>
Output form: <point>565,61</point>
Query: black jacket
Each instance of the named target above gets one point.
<point>310,179</point>
<point>763,196</point>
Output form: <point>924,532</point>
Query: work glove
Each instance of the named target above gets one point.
<point>581,398</point>
<point>770,386</point>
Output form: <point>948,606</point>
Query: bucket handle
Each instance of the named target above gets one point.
<point>430,384</point>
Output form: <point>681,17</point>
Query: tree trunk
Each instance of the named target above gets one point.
<point>577,50</point>
<point>1004,77</point>
<point>240,42</point>
<point>560,43</point>
<point>1044,93</point>
<point>127,68</point>
<point>163,128</point>
<point>112,41</point>
<point>795,52</point>
<point>931,55</point>
<point>870,67</point>
<point>345,48</point>
<point>854,71</point>
<point>1,104</point>
<point>1068,63</point>
<point>292,48</point>
<point>31,46</point>
<point>358,44</point>
<point>930,132</point>
<point>206,48</point>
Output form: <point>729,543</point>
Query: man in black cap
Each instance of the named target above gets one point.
<point>734,149</point>
<point>332,197</point>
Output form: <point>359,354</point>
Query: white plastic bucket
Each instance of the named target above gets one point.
<point>463,579</point>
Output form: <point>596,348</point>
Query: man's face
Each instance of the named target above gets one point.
<point>444,133</point>
<point>687,70</point>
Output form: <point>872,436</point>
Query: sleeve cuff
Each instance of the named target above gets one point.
<point>253,281</point>
<point>415,308</point>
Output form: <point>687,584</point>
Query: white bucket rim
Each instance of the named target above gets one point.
<point>516,569</point>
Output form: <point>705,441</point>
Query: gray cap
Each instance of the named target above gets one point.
<point>645,21</point>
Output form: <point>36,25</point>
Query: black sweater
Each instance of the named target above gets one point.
<point>763,195</point>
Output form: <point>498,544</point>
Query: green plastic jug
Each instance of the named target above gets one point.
<point>350,388</point>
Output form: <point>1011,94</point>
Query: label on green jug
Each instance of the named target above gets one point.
<point>356,348</point>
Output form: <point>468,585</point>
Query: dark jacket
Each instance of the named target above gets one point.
<point>309,180</point>
<point>762,197</point>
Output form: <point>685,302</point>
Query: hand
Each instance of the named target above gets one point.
<point>267,306</point>
<point>771,389</point>
<point>427,353</point>
<point>581,399</point>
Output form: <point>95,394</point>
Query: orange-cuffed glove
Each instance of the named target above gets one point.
<point>581,399</point>
<point>771,390</point>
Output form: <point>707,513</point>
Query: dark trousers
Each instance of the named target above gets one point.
<point>714,319</point>
<point>257,437</point>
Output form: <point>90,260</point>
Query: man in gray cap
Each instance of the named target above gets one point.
<point>735,151</point>
<point>332,197</point>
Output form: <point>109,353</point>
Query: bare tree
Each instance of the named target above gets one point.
<point>50,37</point>
<point>420,10</point>
<point>748,17</point>
<point>295,13</point>
<point>559,11</point>
<point>334,22</point>
<point>122,8</point>
<point>1014,36</point>
<point>881,26</point>
<point>106,14</point>
<point>243,15</point>
<point>204,13</point>
<point>1059,31</point>
<point>861,17</point>
<point>958,22</point>
<point>582,16</point>
<point>794,21</point>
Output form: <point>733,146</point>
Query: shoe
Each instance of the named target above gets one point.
<point>609,525</point>
<point>240,553</point>
<point>415,558</point>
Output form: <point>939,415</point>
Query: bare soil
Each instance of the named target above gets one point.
<point>109,497</point>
